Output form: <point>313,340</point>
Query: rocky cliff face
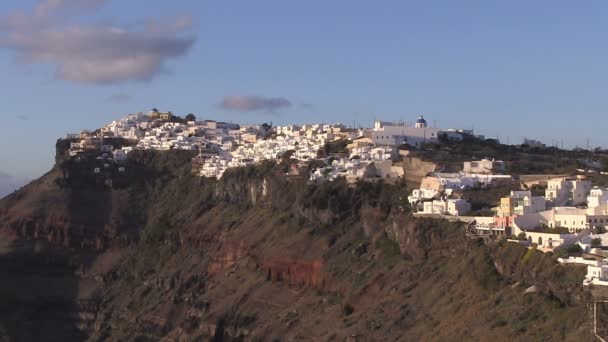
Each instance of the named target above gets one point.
<point>416,169</point>
<point>256,257</point>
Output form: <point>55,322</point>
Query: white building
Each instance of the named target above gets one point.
<point>551,241</point>
<point>530,204</point>
<point>533,143</point>
<point>597,274</point>
<point>574,219</point>
<point>484,166</point>
<point>120,155</point>
<point>597,201</point>
<point>420,123</point>
<point>521,203</point>
<point>420,195</point>
<point>442,181</point>
<point>455,207</point>
<point>394,134</point>
<point>563,191</point>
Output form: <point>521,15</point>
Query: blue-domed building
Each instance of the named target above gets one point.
<point>421,123</point>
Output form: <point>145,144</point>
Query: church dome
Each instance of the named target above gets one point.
<point>421,120</point>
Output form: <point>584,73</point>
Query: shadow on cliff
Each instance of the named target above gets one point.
<point>38,292</point>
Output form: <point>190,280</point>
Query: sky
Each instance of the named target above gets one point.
<point>508,69</point>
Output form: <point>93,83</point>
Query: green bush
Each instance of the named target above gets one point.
<point>529,255</point>
<point>389,250</point>
<point>570,250</point>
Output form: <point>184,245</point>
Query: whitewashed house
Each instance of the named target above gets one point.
<point>563,191</point>
<point>455,207</point>
<point>521,203</point>
<point>484,166</point>
<point>597,201</point>
<point>120,155</point>
<point>394,134</point>
<point>597,274</point>
<point>552,241</point>
<point>419,195</point>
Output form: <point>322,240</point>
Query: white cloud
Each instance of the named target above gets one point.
<point>254,103</point>
<point>119,98</point>
<point>46,7</point>
<point>93,54</point>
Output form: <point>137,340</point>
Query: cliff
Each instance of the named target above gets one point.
<point>158,254</point>
<point>416,169</point>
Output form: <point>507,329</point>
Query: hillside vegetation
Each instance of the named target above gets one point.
<point>519,159</point>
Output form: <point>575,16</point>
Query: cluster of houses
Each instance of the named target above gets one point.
<point>572,212</point>
<point>438,192</point>
<point>225,145</point>
<point>398,133</point>
<point>569,210</point>
<point>568,214</point>
<point>108,159</point>
<point>371,154</point>
<point>367,161</point>
<point>301,143</point>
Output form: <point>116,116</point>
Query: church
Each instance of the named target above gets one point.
<point>395,134</point>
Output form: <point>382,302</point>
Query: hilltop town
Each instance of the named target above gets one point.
<point>369,152</point>
<point>180,217</point>
<point>566,213</point>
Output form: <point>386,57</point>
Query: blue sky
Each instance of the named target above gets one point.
<point>509,69</point>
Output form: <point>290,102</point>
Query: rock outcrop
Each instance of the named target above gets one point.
<point>292,272</point>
